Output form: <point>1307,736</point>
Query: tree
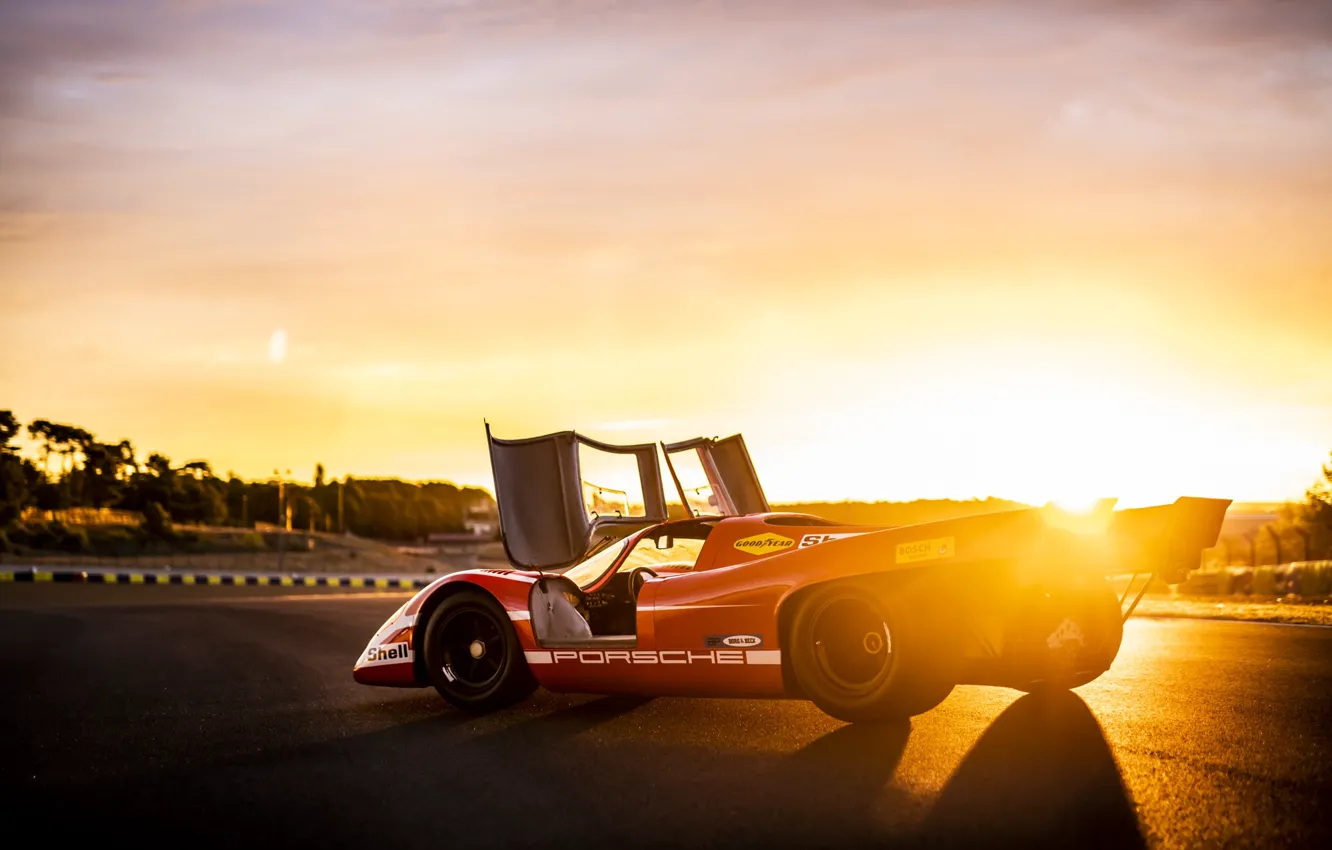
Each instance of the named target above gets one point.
<point>40,430</point>
<point>14,491</point>
<point>101,474</point>
<point>155,484</point>
<point>237,500</point>
<point>109,474</point>
<point>159,465</point>
<point>157,522</point>
<point>126,464</point>
<point>67,441</point>
<point>1318,509</point>
<point>9,429</point>
<point>198,468</point>
<point>18,477</point>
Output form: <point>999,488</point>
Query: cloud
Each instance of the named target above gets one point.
<point>114,77</point>
<point>464,208</point>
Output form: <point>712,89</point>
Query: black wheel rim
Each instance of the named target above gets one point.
<point>852,644</point>
<point>472,649</point>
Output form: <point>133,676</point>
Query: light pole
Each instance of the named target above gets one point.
<point>278,475</point>
<point>284,519</point>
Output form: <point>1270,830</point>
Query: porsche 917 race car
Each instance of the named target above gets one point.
<point>735,600</point>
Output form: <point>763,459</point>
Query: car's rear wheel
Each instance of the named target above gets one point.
<point>1074,635</point>
<point>472,655</point>
<point>862,655</point>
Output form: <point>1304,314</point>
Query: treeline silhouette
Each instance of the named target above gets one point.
<point>76,470</point>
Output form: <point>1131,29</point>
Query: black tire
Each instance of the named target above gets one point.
<point>472,655</point>
<point>1095,613</point>
<point>862,654</point>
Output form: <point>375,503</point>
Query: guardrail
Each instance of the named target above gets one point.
<point>157,577</point>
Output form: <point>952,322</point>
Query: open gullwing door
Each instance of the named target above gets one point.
<point>551,516</point>
<point>733,484</point>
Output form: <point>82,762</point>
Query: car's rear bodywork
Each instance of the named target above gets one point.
<point>1019,597</point>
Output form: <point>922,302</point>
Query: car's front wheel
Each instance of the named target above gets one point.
<point>472,655</point>
<point>861,655</point>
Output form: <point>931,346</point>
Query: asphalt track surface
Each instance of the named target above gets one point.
<point>227,716</point>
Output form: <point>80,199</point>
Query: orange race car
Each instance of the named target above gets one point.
<point>734,600</point>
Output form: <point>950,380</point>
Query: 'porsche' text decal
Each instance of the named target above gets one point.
<point>764,544</point>
<point>926,550</point>
<point>665,656</point>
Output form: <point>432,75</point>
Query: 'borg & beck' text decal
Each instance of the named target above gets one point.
<point>736,641</point>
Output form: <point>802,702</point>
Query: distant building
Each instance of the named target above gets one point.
<point>482,520</point>
<point>481,527</point>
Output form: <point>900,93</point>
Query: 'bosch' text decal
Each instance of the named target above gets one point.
<point>926,550</point>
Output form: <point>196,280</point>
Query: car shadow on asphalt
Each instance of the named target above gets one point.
<point>594,772</point>
<point>1041,775</point>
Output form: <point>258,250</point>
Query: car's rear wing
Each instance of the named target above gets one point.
<point>1165,541</point>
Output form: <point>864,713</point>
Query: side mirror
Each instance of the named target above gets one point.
<point>665,541</point>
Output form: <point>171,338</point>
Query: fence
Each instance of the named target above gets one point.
<point>84,516</point>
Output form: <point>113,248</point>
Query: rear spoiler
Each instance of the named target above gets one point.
<point>1164,542</point>
<point>1167,539</point>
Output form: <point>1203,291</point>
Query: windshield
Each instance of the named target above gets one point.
<point>663,553</point>
<point>596,566</point>
<point>667,547</point>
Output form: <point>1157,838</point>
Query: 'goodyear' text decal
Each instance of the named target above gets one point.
<point>764,544</point>
<point>926,550</point>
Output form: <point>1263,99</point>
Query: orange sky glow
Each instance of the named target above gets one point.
<point>959,249</point>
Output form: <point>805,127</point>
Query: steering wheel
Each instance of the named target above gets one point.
<point>637,578</point>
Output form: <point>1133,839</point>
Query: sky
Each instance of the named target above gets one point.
<point>934,249</point>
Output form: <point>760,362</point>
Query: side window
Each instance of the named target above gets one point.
<point>610,483</point>
<point>679,553</point>
<point>694,482</point>
<point>727,485</point>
